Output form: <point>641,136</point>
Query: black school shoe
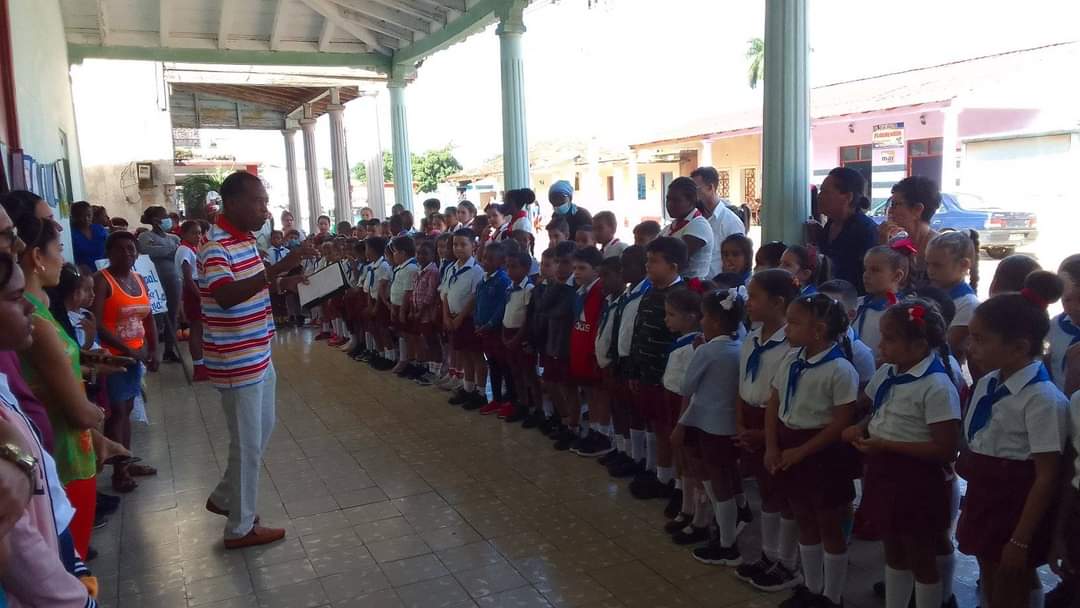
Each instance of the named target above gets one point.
<point>748,572</point>
<point>520,414</point>
<point>534,420</point>
<point>674,504</point>
<point>475,401</point>
<point>596,445</point>
<point>608,458</point>
<point>565,440</point>
<point>551,426</point>
<point>692,535</point>
<point>647,486</point>
<point>778,578</point>
<point>626,467</point>
<point>459,397</point>
<point>716,554</point>
<point>678,523</point>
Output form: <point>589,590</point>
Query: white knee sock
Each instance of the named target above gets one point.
<point>770,535</point>
<point>689,495</point>
<point>620,444</point>
<point>726,511</point>
<point>836,565</point>
<point>898,588</point>
<point>665,474</point>
<point>789,542</point>
<point>637,444</point>
<point>929,596</point>
<point>703,511</point>
<point>1038,598</point>
<point>650,451</point>
<point>946,567</point>
<point>548,408</point>
<point>813,571</point>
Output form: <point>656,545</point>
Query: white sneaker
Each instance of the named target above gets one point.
<point>348,346</point>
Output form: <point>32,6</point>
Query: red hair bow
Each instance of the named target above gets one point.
<point>917,315</point>
<point>695,285</point>
<point>904,246</point>
<point>1030,295</point>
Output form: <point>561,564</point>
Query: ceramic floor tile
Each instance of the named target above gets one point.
<point>390,499</point>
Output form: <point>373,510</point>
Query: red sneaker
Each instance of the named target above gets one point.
<point>506,409</point>
<point>491,408</point>
<point>325,335</point>
<point>200,374</point>
<point>336,341</point>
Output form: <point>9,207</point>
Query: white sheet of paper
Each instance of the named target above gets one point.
<point>321,283</point>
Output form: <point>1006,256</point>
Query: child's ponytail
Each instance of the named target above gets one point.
<point>973,274</point>
<point>1023,316</point>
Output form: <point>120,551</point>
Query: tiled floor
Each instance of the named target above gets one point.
<point>392,498</point>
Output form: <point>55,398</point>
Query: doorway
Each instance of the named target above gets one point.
<point>666,178</point>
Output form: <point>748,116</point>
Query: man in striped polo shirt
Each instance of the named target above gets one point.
<point>238,323</point>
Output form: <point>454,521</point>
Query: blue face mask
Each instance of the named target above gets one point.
<point>166,224</point>
<point>564,208</point>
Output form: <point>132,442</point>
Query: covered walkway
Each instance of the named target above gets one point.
<point>392,498</point>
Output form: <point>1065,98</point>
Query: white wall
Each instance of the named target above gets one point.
<point>43,90</point>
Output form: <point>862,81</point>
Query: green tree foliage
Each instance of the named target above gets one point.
<point>195,188</point>
<point>429,169</point>
<point>755,54</point>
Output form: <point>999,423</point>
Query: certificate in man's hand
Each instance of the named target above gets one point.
<point>322,284</point>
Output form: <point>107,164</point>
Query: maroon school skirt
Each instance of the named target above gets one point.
<point>1072,529</point>
<point>905,497</point>
<point>996,492</point>
<point>823,480</point>
<point>192,304</point>
<point>464,338</point>
<point>668,414</point>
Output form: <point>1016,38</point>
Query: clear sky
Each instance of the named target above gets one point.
<point>623,68</point>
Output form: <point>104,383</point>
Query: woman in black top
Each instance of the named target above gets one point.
<point>848,233</point>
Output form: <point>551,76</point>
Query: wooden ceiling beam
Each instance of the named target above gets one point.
<point>378,26</point>
<point>326,35</point>
<point>103,22</point>
<point>224,23</point>
<point>425,12</point>
<point>164,21</point>
<point>333,13</point>
<point>389,15</point>
<point>279,25</point>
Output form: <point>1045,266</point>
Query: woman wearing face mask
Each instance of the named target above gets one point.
<point>160,244</point>
<point>561,197</point>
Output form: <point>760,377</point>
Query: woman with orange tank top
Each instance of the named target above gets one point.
<point>126,327</point>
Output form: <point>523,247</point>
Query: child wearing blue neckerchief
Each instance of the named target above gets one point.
<point>1063,360</point>
<point>952,263</point>
<point>1015,431</point>
<point>807,266</point>
<point>737,256</point>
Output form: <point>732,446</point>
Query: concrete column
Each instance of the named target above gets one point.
<point>290,172</point>
<point>632,205</point>
<point>786,128</point>
<point>375,186</point>
<point>705,156</point>
<point>311,166</point>
<point>950,140</point>
<point>339,160</point>
<point>512,67</point>
<point>399,130</point>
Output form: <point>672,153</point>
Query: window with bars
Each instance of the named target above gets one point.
<point>723,189</point>
<point>852,154</point>
<point>641,190</point>
<point>749,180</point>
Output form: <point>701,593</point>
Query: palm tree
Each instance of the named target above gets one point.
<point>756,54</point>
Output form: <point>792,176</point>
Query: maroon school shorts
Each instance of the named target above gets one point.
<point>823,480</point>
<point>718,455</point>
<point>192,304</point>
<point>555,369</point>
<point>493,346</point>
<point>650,401</point>
<point>464,338</point>
<point>996,492</point>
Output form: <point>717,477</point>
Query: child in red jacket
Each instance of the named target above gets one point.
<point>584,372</point>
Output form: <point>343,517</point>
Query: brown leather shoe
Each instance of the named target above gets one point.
<point>216,510</point>
<point>258,536</point>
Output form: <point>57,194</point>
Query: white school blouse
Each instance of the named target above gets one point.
<point>606,332</point>
<point>909,409</point>
<point>862,358</point>
<point>517,299</point>
<point>965,309</point>
<point>677,362</point>
<point>629,315</point>
<point>613,249</point>
<point>698,227</point>
<point>378,271</point>
<point>1060,341</point>
<point>820,389</point>
<point>1030,420</point>
<point>869,326</point>
<point>403,279</point>
<point>1074,433</point>
<point>755,392</point>
<point>461,284</point>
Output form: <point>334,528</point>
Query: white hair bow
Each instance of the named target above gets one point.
<point>733,294</point>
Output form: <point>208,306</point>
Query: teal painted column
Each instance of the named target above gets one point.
<point>512,66</point>
<point>785,197</point>
<point>399,131</point>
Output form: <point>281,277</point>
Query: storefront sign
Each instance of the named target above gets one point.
<point>889,135</point>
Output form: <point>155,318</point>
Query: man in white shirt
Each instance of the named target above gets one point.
<point>723,221</point>
<point>691,226</point>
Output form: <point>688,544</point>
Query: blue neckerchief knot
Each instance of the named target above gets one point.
<point>409,262</point>
<point>1066,325</point>
<point>800,365</point>
<point>683,341</point>
<point>808,290</point>
<point>460,271</point>
<point>875,303</point>
<point>753,362</point>
<point>997,390</point>
<point>960,290</point>
<point>894,379</point>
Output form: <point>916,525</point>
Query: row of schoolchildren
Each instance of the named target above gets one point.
<point>688,420</point>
